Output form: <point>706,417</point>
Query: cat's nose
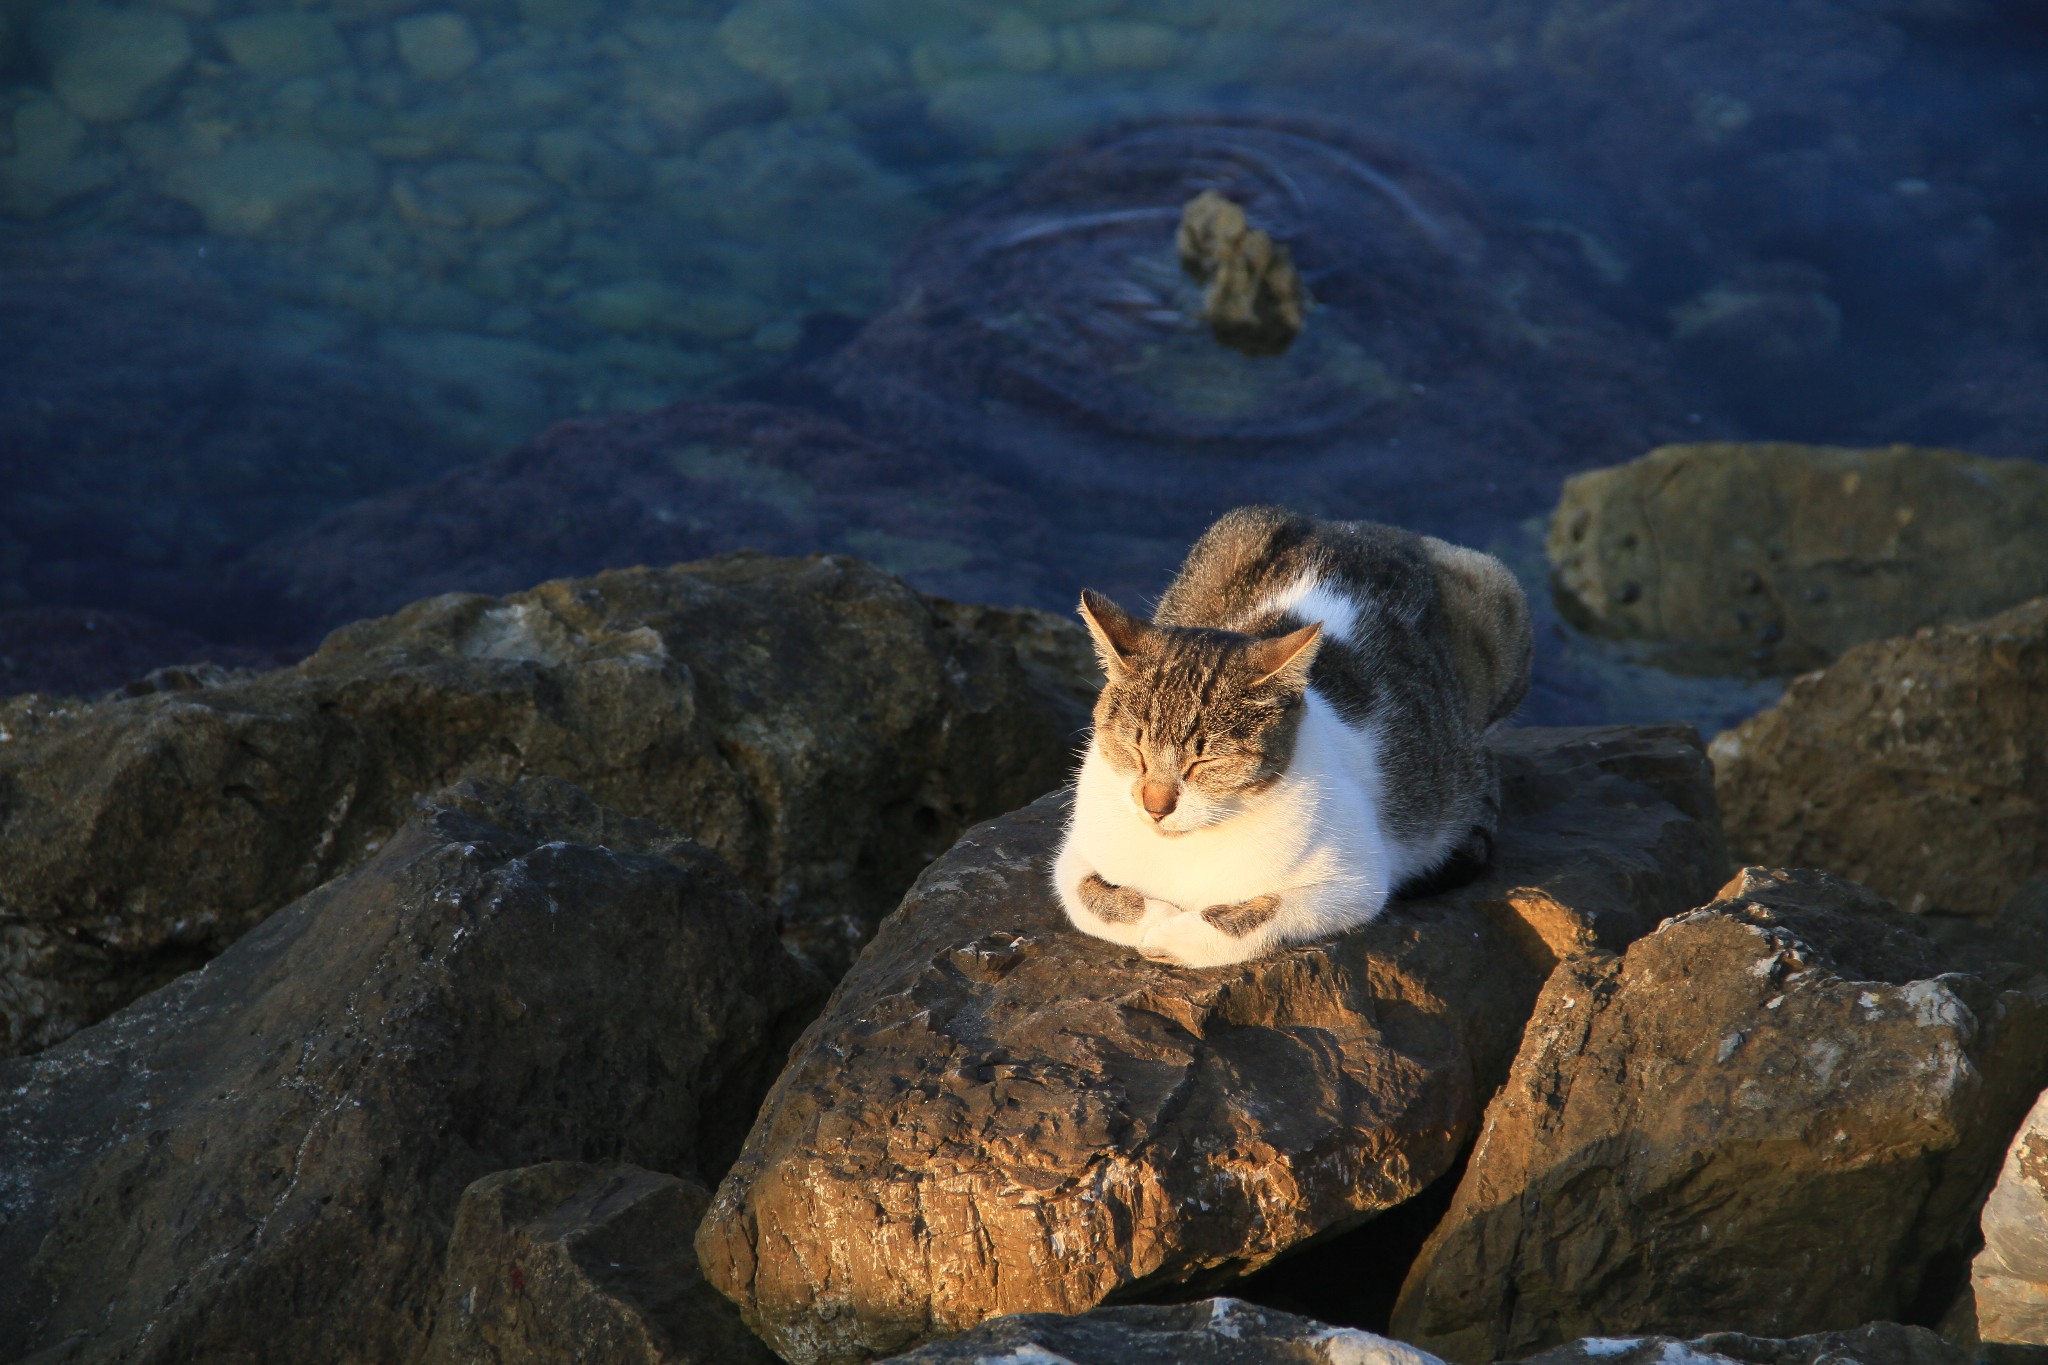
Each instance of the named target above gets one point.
<point>1159,801</point>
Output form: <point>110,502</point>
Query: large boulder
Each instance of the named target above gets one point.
<point>2010,1275</point>
<point>270,1150</point>
<point>999,1114</point>
<point>1775,557</point>
<point>1917,766</point>
<point>1776,1114</point>
<point>823,727</point>
<point>685,482</point>
<point>571,1261</point>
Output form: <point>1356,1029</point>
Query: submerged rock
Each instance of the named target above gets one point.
<point>1776,1113</point>
<point>999,1114</point>
<point>2010,1275</point>
<point>1917,766</point>
<point>816,722</point>
<point>271,1149</point>
<point>568,1261</point>
<point>1253,298</point>
<point>688,481</point>
<point>1053,329</point>
<point>1778,557</point>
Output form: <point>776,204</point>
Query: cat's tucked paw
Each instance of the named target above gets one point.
<point>1192,941</point>
<point>1117,913</point>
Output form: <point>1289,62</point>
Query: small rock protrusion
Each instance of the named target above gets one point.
<point>1255,301</point>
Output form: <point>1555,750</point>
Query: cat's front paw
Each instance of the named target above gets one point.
<point>1120,914</point>
<point>1190,940</point>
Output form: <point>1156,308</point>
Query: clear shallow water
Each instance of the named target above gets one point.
<point>258,262</point>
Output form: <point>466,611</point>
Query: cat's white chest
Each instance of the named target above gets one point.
<point>1318,827</point>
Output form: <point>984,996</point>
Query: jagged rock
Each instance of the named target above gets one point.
<point>1775,1113</point>
<point>999,1114</point>
<point>687,481</point>
<point>2010,1275</point>
<point>816,722</point>
<point>1253,297</point>
<point>1876,1343</point>
<point>1778,557</point>
<point>568,1261</point>
<point>270,1150</point>
<point>1217,1331</point>
<point>1917,766</point>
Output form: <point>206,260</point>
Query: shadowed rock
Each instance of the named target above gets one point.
<point>999,1114</point>
<point>1776,557</point>
<point>271,1150</point>
<point>824,728</point>
<point>1775,1113</point>
<point>566,1261</point>
<point>1211,1332</point>
<point>1918,766</point>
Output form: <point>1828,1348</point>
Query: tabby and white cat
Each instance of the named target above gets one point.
<point>1294,737</point>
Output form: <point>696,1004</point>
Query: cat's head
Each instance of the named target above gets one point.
<point>1199,722</point>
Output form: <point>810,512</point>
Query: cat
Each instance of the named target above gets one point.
<point>1294,737</point>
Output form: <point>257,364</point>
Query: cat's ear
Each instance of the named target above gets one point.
<point>1285,659</point>
<point>1117,633</point>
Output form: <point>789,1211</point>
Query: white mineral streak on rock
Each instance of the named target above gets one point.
<point>1349,1346</point>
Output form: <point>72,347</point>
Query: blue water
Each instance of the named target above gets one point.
<point>259,263</point>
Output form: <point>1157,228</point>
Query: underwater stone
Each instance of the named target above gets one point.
<point>45,171</point>
<point>817,62</point>
<point>253,187</point>
<point>109,65</point>
<point>437,47</point>
<point>1254,300</point>
<point>276,46</point>
<point>461,194</point>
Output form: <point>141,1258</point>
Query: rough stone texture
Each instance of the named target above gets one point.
<point>1917,766</point>
<point>1780,557</point>
<point>1876,1343</point>
<point>1217,1331</point>
<point>688,481</point>
<point>998,1114</point>
<point>573,1262</point>
<point>270,1150</point>
<point>1775,1113</point>
<point>820,725</point>
<point>2010,1275</point>
<point>1252,298</point>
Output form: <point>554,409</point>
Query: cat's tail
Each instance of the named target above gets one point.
<point>1486,616</point>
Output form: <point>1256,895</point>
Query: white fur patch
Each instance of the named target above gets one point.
<point>1310,598</point>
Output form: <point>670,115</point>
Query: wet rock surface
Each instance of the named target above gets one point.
<point>569,1261</point>
<point>272,1149</point>
<point>1777,557</point>
<point>689,481</point>
<point>1776,1113</point>
<point>1219,1331</point>
<point>998,1114</point>
<point>1917,766</point>
<point>821,726</point>
<point>1053,328</point>
<point>2009,1277</point>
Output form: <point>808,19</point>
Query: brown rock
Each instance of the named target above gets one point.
<point>998,1114</point>
<point>1775,1113</point>
<point>1254,299</point>
<point>270,1150</point>
<point>1779,557</point>
<point>1917,766</point>
<point>2010,1275</point>
<point>571,1262</point>
<point>817,723</point>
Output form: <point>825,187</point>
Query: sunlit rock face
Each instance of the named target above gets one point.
<point>1917,765</point>
<point>1776,1112</point>
<point>998,1114</point>
<point>2009,1276</point>
<point>1772,557</point>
